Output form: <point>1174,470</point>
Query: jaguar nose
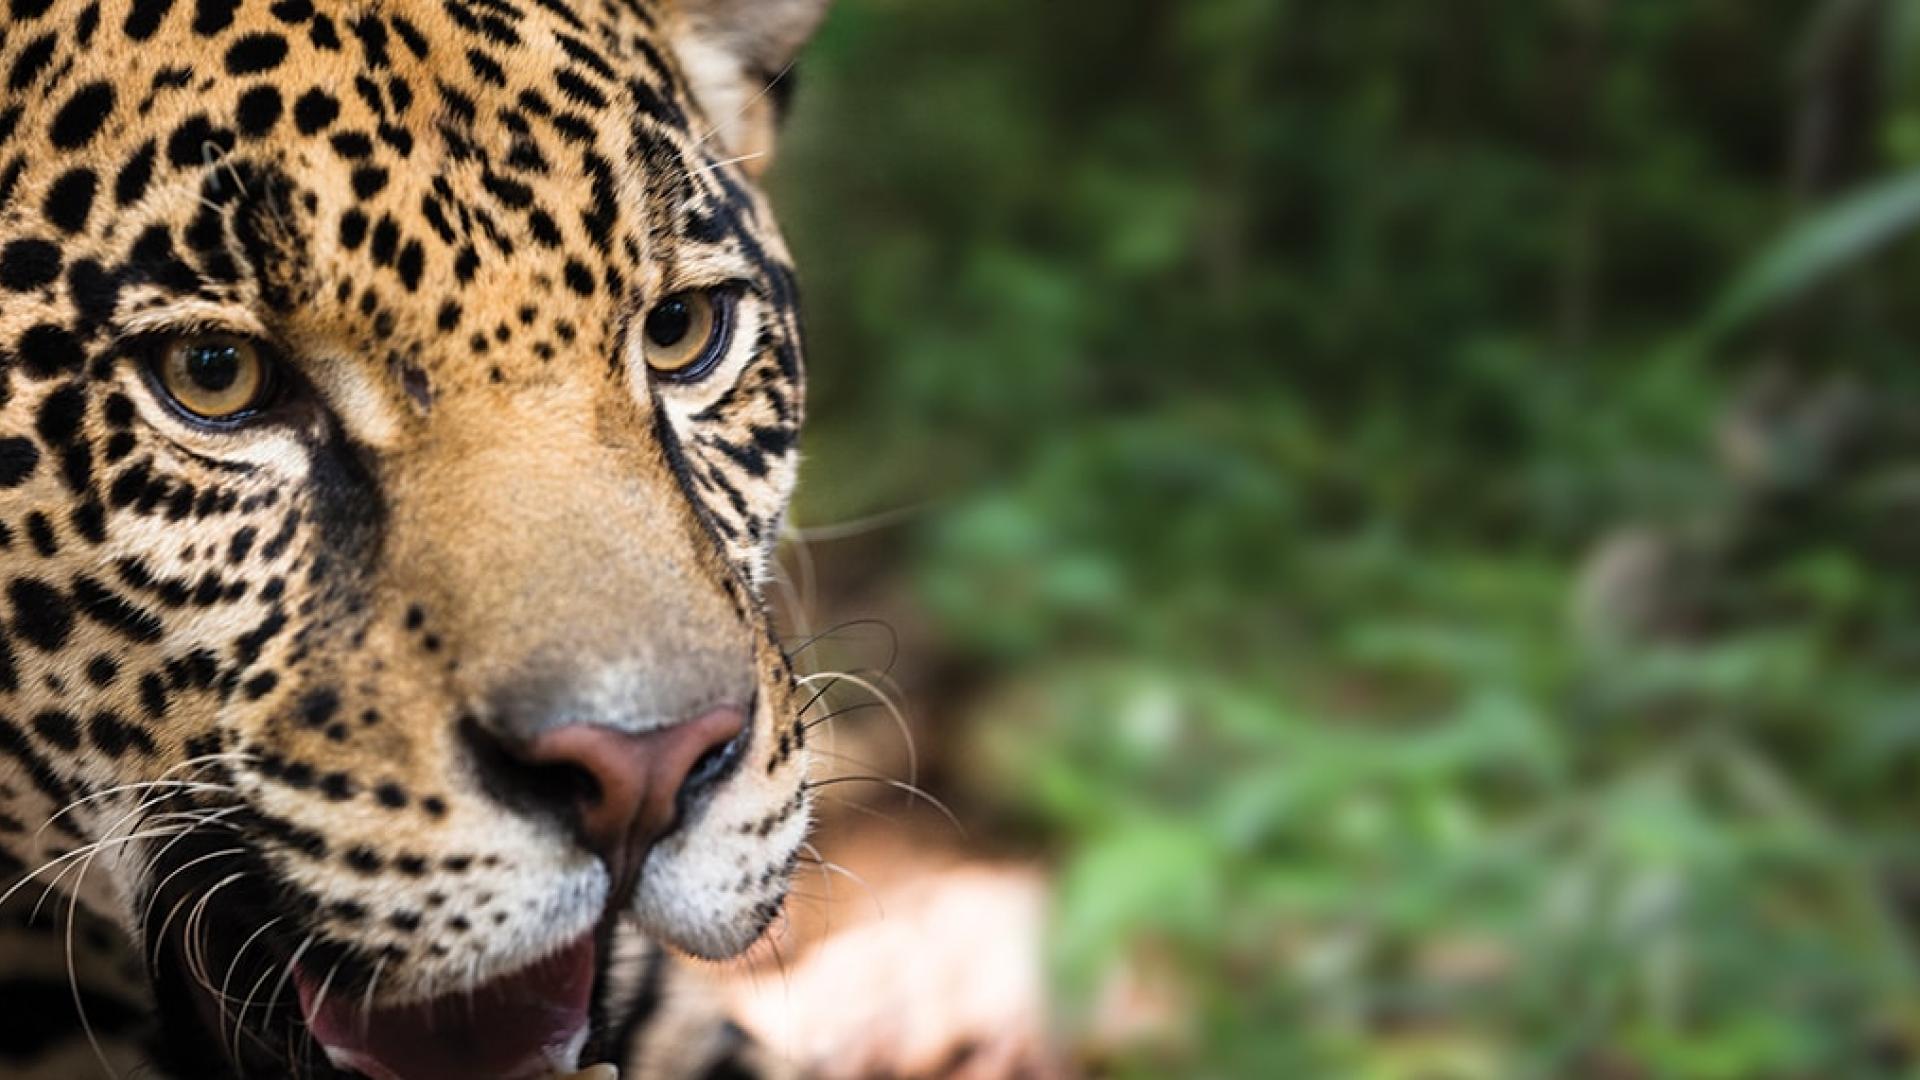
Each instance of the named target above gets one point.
<point>631,788</point>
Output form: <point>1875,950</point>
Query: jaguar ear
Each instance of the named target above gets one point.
<point>738,57</point>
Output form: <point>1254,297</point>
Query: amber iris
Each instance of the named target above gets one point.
<point>213,377</point>
<point>685,333</point>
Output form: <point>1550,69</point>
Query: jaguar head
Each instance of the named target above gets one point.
<point>399,408</point>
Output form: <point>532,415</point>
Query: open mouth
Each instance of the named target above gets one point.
<point>528,1025</point>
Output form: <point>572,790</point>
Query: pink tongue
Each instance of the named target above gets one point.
<point>504,1029</point>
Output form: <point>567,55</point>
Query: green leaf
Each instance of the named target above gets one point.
<point>1834,237</point>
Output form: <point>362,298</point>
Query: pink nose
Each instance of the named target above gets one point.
<point>637,784</point>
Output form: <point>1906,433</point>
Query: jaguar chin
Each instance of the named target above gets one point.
<point>399,403</point>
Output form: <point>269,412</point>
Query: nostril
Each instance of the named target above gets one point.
<point>716,763</point>
<point>561,784</point>
<point>567,789</point>
<point>623,790</point>
<point>527,786</point>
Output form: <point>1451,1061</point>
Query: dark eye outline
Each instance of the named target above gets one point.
<point>152,352</point>
<point>725,301</point>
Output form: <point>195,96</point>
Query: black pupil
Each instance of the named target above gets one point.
<point>667,325</point>
<point>213,367</point>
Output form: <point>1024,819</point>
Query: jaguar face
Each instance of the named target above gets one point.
<point>399,406</point>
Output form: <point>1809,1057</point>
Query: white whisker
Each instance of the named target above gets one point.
<point>899,719</point>
<point>73,975</point>
<point>750,103</point>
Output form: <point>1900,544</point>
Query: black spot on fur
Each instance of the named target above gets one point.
<point>198,142</point>
<point>48,350</point>
<point>131,182</point>
<point>114,737</point>
<point>58,728</point>
<point>212,16</point>
<point>27,264</point>
<point>33,60</point>
<point>81,118</point>
<point>259,111</point>
<point>18,456</point>
<point>314,111</point>
<point>41,614</point>
<point>255,54</point>
<point>58,420</point>
<point>116,612</point>
<point>145,17</point>
<point>70,199</point>
<point>94,292</point>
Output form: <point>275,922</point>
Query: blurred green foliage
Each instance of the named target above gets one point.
<point>1424,496</point>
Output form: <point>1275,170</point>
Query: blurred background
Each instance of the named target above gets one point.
<point>1393,527</point>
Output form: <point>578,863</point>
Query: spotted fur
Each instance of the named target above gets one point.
<point>247,676</point>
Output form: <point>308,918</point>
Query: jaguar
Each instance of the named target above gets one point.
<point>399,405</point>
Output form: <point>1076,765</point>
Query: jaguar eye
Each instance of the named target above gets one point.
<point>214,376</point>
<point>686,333</point>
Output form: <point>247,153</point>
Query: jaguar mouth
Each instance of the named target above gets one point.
<point>212,967</point>
<point>527,1025</point>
